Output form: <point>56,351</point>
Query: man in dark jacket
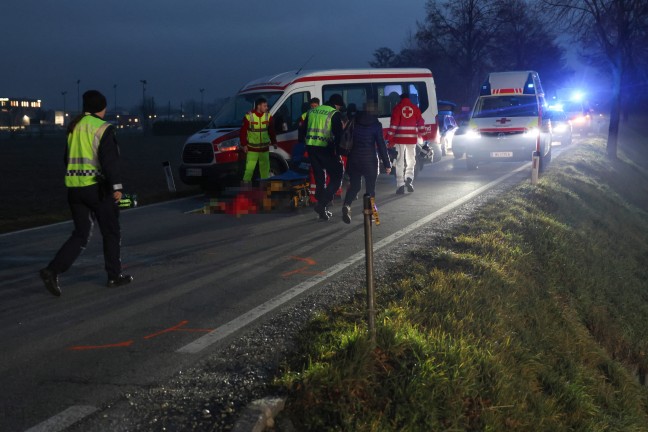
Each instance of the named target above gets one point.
<point>94,188</point>
<point>368,146</point>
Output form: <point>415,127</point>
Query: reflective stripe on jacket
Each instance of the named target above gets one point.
<point>319,132</point>
<point>257,133</point>
<point>83,165</point>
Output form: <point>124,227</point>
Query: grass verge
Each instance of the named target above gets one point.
<point>531,316</point>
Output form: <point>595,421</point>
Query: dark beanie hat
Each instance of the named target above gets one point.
<point>336,99</point>
<point>93,101</point>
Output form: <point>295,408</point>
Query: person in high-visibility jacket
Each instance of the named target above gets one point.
<point>94,189</point>
<point>257,134</point>
<point>321,131</point>
<point>406,126</point>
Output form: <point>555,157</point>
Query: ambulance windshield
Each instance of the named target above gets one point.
<point>506,106</point>
<point>231,115</point>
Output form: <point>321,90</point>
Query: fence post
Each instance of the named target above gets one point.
<point>371,311</point>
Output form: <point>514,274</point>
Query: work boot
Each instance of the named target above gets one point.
<point>346,214</point>
<point>400,190</point>
<point>120,280</point>
<point>410,186</point>
<point>50,278</point>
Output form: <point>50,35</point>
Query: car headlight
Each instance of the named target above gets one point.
<point>579,119</point>
<point>560,128</point>
<point>229,145</point>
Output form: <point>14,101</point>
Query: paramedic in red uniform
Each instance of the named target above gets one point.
<point>406,126</point>
<point>256,135</point>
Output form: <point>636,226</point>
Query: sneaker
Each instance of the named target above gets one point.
<point>408,183</point>
<point>346,214</point>
<point>400,190</point>
<point>120,280</point>
<point>50,278</point>
<point>323,217</point>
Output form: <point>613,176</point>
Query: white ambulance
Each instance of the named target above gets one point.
<point>508,121</point>
<point>213,153</point>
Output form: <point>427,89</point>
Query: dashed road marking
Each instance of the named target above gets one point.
<point>259,311</point>
<point>64,419</point>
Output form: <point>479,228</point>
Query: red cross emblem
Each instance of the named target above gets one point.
<point>407,112</point>
<point>502,121</point>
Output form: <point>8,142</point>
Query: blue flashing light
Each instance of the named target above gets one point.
<point>577,96</point>
<point>530,85</point>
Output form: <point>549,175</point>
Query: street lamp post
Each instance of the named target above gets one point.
<point>202,100</point>
<point>143,97</point>
<point>78,97</point>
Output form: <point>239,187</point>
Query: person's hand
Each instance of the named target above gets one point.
<point>117,195</point>
<point>388,170</point>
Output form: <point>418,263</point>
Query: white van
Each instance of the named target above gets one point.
<point>213,153</point>
<point>508,121</point>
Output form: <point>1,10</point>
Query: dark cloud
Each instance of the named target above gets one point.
<point>179,47</point>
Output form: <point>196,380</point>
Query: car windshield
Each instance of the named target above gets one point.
<point>506,106</point>
<point>231,115</point>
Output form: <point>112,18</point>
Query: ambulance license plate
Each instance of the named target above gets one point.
<point>194,172</point>
<point>501,154</point>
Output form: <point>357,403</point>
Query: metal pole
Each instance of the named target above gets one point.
<point>371,294</point>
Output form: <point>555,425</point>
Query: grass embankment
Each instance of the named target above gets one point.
<point>532,316</point>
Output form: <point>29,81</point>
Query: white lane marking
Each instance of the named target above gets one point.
<point>64,419</point>
<point>254,314</point>
<point>69,221</point>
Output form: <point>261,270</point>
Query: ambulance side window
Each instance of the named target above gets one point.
<point>388,95</point>
<point>286,118</point>
<point>354,95</point>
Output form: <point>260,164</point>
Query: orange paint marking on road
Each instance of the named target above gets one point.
<point>94,347</point>
<point>303,270</point>
<point>178,327</point>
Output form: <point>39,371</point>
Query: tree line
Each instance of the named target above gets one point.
<point>462,40</point>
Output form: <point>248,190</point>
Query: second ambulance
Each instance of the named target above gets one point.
<point>508,121</point>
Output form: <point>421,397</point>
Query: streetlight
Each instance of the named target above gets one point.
<point>202,112</point>
<point>63,93</point>
<point>78,97</point>
<point>143,97</point>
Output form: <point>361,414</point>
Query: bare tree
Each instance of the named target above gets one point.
<point>383,58</point>
<point>462,30</point>
<point>609,32</point>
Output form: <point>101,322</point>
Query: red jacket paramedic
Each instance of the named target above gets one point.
<point>406,126</point>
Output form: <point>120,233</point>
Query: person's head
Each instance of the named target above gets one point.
<point>336,101</point>
<point>405,95</point>
<point>314,102</point>
<point>261,105</point>
<point>94,103</point>
<point>371,107</point>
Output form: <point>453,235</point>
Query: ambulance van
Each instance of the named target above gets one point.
<point>509,121</point>
<point>213,154</point>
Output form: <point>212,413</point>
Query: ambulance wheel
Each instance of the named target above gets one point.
<point>277,167</point>
<point>471,164</point>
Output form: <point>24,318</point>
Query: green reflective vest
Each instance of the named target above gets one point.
<point>257,133</point>
<point>319,131</point>
<point>83,166</point>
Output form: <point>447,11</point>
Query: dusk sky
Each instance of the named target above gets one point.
<point>180,47</point>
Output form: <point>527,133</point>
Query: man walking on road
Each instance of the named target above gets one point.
<point>321,131</point>
<point>94,189</point>
<point>406,126</point>
<point>257,134</point>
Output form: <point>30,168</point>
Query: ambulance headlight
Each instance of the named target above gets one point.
<point>229,145</point>
<point>560,128</point>
<point>472,134</point>
<point>532,133</point>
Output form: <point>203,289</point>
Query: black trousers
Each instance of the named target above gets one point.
<point>89,204</point>
<point>358,168</point>
<point>323,160</point>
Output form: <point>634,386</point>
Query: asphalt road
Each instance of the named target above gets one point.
<point>199,280</point>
